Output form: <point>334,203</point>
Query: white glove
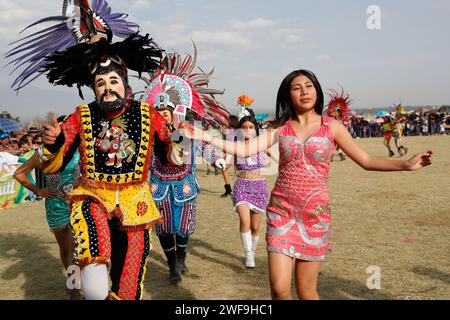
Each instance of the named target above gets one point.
<point>220,163</point>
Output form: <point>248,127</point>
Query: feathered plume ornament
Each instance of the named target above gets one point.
<point>338,106</point>
<point>78,23</point>
<point>245,101</point>
<point>177,73</point>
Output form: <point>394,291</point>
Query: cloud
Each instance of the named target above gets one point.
<point>210,55</point>
<point>257,23</point>
<point>289,36</point>
<point>323,57</point>
<point>16,15</point>
<point>141,4</point>
<point>220,38</point>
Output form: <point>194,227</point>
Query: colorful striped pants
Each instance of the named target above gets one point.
<point>103,240</point>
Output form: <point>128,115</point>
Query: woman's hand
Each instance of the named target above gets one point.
<point>47,193</point>
<point>420,160</point>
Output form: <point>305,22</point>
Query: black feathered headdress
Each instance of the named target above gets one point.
<point>54,50</point>
<point>79,64</point>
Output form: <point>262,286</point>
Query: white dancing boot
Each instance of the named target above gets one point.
<point>246,238</point>
<point>255,241</point>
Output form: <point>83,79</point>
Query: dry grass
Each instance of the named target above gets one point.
<point>397,221</point>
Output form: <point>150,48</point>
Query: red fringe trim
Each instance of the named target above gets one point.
<point>151,142</point>
<point>108,185</point>
<point>85,261</point>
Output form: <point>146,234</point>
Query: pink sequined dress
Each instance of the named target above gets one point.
<point>298,214</point>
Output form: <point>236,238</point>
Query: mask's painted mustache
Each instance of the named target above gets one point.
<point>109,92</point>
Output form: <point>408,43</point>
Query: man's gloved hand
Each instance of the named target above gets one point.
<point>220,163</point>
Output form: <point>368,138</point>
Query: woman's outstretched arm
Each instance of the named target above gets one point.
<point>238,148</point>
<point>343,138</point>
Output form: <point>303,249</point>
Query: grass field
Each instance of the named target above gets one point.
<point>398,221</point>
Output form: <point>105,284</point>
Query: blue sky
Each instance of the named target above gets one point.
<point>252,45</point>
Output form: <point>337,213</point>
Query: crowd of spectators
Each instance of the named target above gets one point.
<point>416,124</point>
<point>20,142</point>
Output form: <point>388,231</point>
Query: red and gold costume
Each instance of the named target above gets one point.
<point>111,197</point>
<point>112,210</point>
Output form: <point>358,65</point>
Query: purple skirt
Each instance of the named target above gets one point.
<point>252,192</point>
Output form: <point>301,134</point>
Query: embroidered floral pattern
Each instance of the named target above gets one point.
<point>141,208</point>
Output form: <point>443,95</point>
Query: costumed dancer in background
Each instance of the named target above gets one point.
<point>112,210</point>
<point>338,109</point>
<point>250,195</point>
<point>56,186</point>
<point>388,128</point>
<point>179,92</point>
<point>400,118</point>
<point>299,213</point>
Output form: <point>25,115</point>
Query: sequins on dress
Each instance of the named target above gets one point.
<point>298,214</point>
<point>251,192</point>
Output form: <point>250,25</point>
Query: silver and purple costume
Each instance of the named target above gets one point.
<point>252,192</point>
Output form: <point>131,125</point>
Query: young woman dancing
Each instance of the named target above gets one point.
<point>298,214</point>
<point>250,195</point>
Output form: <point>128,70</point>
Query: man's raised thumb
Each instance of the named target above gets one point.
<point>55,121</point>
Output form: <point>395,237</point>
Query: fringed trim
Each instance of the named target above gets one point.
<point>151,140</point>
<point>82,147</point>
<point>146,226</point>
<point>108,185</point>
<point>89,260</point>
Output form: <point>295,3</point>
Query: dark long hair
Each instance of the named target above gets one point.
<point>284,108</point>
<point>252,119</point>
<point>233,121</point>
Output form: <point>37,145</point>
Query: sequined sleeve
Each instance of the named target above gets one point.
<point>55,157</point>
